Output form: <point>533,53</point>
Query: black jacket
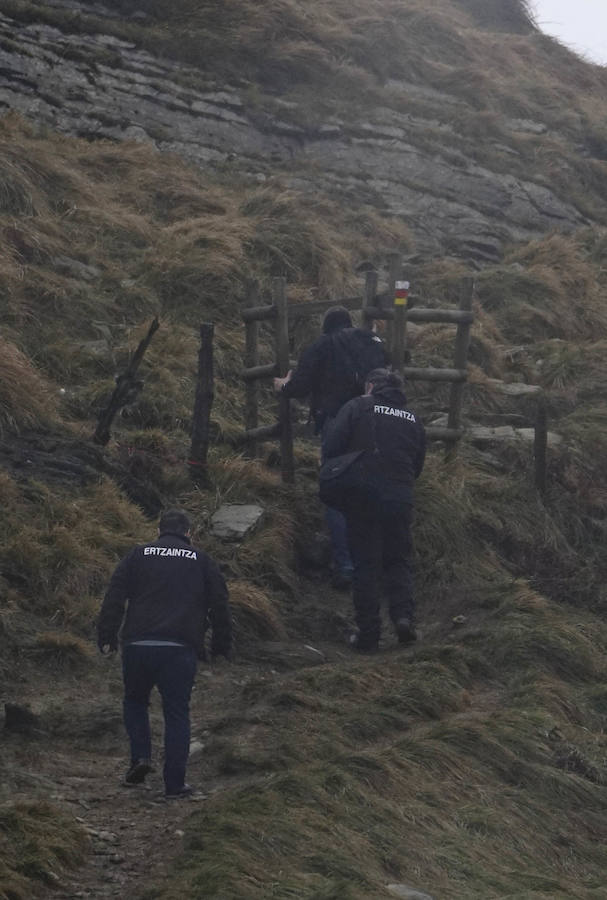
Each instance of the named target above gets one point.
<point>171,587</point>
<point>383,420</point>
<point>320,374</point>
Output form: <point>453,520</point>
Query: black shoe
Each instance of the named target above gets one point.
<point>405,631</point>
<point>136,774</point>
<point>184,791</point>
<point>362,646</point>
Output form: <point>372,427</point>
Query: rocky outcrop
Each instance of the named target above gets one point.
<point>100,86</point>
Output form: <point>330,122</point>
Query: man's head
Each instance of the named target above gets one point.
<point>382,378</point>
<point>335,319</point>
<point>174,521</point>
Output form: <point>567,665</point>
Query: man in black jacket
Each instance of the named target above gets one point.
<point>170,589</point>
<point>379,521</point>
<point>332,371</point>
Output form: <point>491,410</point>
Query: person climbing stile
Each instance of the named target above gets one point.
<point>171,590</point>
<point>379,518</point>
<point>332,371</point>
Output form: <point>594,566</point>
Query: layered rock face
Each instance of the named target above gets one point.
<point>97,86</point>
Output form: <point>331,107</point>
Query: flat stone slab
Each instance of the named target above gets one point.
<point>233,521</point>
<point>515,388</point>
<point>482,434</point>
<point>406,892</point>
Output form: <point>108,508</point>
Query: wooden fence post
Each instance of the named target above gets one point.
<point>126,388</point>
<point>251,360</point>
<point>203,403</point>
<point>369,297</point>
<point>395,269</point>
<point>540,447</point>
<point>279,297</point>
<point>401,298</point>
<point>462,343</point>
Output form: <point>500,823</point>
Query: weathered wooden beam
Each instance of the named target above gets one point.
<point>401,310</point>
<point>251,361</point>
<point>460,360</point>
<point>369,297</point>
<point>318,306</point>
<point>386,300</point>
<point>258,313</point>
<point>420,315</point>
<point>262,432</point>
<point>266,371</point>
<point>440,433</point>
<point>415,314</point>
<point>444,316</point>
<point>203,403</point>
<point>430,374</point>
<point>126,388</point>
<point>279,298</point>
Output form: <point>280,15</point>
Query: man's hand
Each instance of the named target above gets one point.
<point>279,383</point>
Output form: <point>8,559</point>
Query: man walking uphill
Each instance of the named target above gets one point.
<point>332,371</point>
<point>379,507</point>
<point>170,590</point>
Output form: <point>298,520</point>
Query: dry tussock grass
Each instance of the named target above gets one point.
<point>58,549</point>
<point>64,649</point>
<point>255,612</point>
<point>510,732</point>
<point>39,842</point>
<point>188,247</point>
<point>26,398</point>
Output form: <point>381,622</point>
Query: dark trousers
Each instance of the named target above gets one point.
<point>172,671</point>
<point>335,520</point>
<point>381,547</point>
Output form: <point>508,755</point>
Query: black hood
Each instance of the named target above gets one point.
<point>391,396</point>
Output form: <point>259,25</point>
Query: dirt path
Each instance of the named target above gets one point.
<point>134,832</point>
<point>79,758</point>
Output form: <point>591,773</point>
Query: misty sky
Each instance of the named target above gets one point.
<point>582,24</point>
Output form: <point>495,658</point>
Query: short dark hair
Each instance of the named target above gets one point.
<point>335,319</point>
<point>174,521</point>
<point>380,378</point>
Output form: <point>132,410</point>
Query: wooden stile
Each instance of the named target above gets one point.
<point>372,306</point>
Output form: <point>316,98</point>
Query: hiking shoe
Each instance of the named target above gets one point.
<point>362,646</point>
<point>184,791</point>
<point>405,631</point>
<point>136,774</point>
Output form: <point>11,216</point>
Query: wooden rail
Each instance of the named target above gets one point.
<point>372,306</point>
<point>416,314</point>
<point>429,374</point>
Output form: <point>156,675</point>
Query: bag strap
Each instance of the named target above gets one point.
<point>344,345</point>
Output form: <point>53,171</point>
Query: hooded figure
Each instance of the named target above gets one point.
<point>331,371</point>
<point>379,532</point>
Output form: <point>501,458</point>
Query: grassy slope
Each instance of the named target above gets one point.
<point>473,769</point>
